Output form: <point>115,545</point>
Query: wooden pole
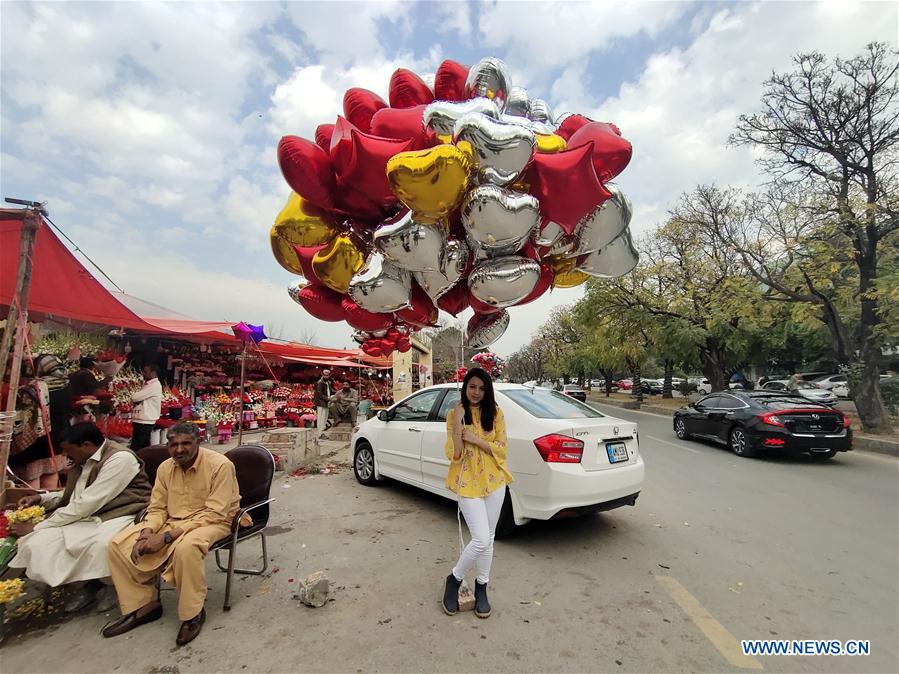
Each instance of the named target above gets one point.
<point>17,318</point>
<point>243,371</point>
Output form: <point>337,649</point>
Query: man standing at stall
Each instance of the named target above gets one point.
<point>322,399</point>
<point>147,407</point>
<point>193,504</point>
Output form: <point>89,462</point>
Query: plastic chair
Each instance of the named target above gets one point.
<point>255,467</point>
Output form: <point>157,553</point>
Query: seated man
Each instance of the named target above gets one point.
<point>192,506</point>
<point>343,406</point>
<point>105,489</point>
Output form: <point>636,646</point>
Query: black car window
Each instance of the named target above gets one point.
<point>452,397</point>
<point>730,403</point>
<point>710,402</point>
<point>417,408</point>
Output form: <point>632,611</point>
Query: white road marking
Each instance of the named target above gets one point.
<point>672,444</point>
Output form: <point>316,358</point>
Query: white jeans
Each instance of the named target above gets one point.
<point>321,418</point>
<point>481,516</point>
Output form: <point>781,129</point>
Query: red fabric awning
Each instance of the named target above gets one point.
<point>60,285</point>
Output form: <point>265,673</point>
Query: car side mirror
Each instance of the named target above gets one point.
<point>384,415</point>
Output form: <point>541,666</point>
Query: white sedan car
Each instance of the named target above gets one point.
<point>566,457</point>
<point>807,390</point>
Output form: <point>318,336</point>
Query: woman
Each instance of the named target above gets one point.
<point>476,448</point>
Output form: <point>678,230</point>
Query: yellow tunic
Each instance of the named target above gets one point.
<point>478,472</point>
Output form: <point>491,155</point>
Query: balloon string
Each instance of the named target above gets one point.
<point>262,356</point>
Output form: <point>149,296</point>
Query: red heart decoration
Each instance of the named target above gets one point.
<point>360,160</point>
<point>360,105</point>
<point>407,90</point>
<point>404,345</point>
<point>322,303</point>
<point>455,301</point>
<point>566,185</point>
<point>361,319</point>
<point>393,334</point>
<point>323,133</point>
<point>307,169</point>
<point>571,124</point>
<point>305,255</point>
<point>422,312</point>
<point>373,348</point>
<point>387,347</point>
<point>449,82</point>
<point>611,151</point>
<point>402,124</point>
<point>543,284</point>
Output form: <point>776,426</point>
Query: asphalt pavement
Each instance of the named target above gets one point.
<point>717,549</point>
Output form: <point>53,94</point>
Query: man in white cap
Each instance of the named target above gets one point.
<point>322,398</point>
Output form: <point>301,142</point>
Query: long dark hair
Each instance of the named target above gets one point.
<point>488,404</point>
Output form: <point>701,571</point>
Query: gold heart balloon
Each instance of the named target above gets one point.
<point>335,264</point>
<point>569,279</point>
<point>297,225</point>
<point>549,143</point>
<point>431,182</point>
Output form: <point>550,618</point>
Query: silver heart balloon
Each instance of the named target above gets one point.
<point>530,124</point>
<point>378,333</point>
<point>380,286</point>
<point>489,77</point>
<point>295,287</point>
<point>484,329</point>
<point>517,104</point>
<point>602,226</point>
<point>503,150</point>
<point>616,259</point>
<point>504,281</point>
<point>437,283</point>
<point>540,111</point>
<point>497,219</point>
<point>411,245</point>
<point>360,336</point>
<point>549,234</point>
<point>442,116</point>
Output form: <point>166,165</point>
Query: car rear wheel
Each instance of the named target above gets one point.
<point>364,464</point>
<point>739,443</point>
<point>506,526</point>
<point>680,429</point>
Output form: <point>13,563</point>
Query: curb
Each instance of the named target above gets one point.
<point>864,443</point>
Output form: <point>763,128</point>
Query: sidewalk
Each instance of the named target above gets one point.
<point>865,442</point>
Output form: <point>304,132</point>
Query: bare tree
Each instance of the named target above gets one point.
<point>308,336</point>
<point>830,136</point>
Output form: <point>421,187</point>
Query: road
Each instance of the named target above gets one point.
<point>717,549</point>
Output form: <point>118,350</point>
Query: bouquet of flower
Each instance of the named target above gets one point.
<point>119,428</point>
<point>124,385</point>
<point>219,418</point>
<point>30,515</point>
<point>109,362</point>
<point>460,374</point>
<point>490,363</point>
<point>10,590</point>
<point>223,399</point>
<point>281,392</point>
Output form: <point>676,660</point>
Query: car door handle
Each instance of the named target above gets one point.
<point>415,430</point>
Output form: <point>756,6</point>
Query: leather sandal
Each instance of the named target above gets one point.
<point>128,622</point>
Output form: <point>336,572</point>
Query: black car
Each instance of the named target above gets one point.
<point>750,421</point>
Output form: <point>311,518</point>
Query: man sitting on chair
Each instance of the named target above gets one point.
<point>105,489</point>
<point>343,406</point>
<point>192,506</point>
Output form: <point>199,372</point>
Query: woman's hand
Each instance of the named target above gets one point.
<point>470,436</point>
<point>458,415</point>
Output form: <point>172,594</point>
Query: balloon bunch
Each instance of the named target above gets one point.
<point>467,193</point>
<point>490,363</point>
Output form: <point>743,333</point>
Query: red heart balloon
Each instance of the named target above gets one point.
<point>373,348</point>
<point>407,89</point>
<point>322,303</point>
<point>449,82</point>
<point>307,169</point>
<point>305,255</point>
<point>543,284</point>
<point>422,312</point>
<point>360,105</point>
<point>566,185</point>
<point>362,319</point>
<point>404,345</point>
<point>387,347</point>
<point>393,334</point>
<point>323,133</point>
<point>457,300</point>
<point>611,151</point>
<point>402,124</point>
<point>481,307</point>
<point>571,124</point>
<point>360,160</point>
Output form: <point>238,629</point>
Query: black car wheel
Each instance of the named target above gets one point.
<point>739,443</point>
<point>680,429</point>
<point>364,464</point>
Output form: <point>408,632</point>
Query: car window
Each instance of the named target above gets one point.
<point>729,403</point>
<point>417,408</point>
<point>710,401</point>
<point>453,396</point>
<point>545,404</point>
<point>775,386</point>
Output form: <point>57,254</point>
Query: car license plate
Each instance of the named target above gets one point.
<point>617,452</point>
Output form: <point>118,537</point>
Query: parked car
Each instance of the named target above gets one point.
<point>750,421</point>
<point>649,386</point>
<point>704,386</point>
<point>575,391</point>
<point>566,457</point>
<point>830,381</point>
<point>625,384</point>
<point>805,389</point>
<point>841,391</point>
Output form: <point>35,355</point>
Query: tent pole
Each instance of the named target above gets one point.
<point>243,371</point>
<point>17,318</point>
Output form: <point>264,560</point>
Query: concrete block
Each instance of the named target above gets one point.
<point>466,597</point>
<point>314,590</point>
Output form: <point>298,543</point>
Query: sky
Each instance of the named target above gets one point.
<point>150,129</point>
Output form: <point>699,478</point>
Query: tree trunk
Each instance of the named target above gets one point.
<point>607,375</point>
<point>713,366</point>
<point>868,400</point>
<point>635,377</point>
<point>666,385</point>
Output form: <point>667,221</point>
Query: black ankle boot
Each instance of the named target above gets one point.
<point>481,605</point>
<point>451,595</point>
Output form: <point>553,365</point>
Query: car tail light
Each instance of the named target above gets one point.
<point>557,448</point>
<point>847,422</point>
<point>771,419</point>
<point>775,442</point>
